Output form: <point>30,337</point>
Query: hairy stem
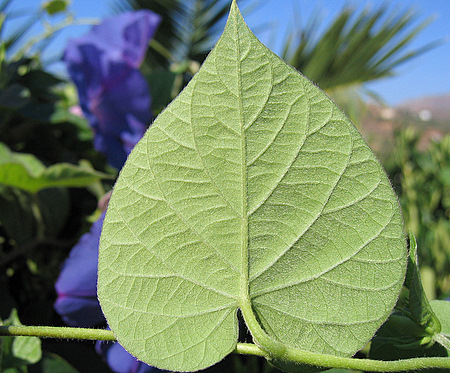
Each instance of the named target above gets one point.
<point>299,356</point>
<point>331,361</point>
<point>58,332</point>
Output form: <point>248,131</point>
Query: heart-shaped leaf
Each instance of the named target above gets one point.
<point>252,190</point>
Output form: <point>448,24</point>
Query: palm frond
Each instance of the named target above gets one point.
<point>16,37</point>
<point>356,48</point>
<point>4,4</point>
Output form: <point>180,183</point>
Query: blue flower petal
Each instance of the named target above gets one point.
<point>84,312</point>
<point>120,361</point>
<point>104,66</point>
<point>77,283</point>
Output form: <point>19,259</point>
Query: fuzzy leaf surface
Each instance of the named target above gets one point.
<point>252,190</point>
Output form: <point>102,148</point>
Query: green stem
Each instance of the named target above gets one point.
<point>40,226</point>
<point>298,356</point>
<point>161,49</point>
<point>331,361</point>
<point>48,33</point>
<point>58,332</point>
<point>250,349</point>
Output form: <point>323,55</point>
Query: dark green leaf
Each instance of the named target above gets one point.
<point>52,363</point>
<point>55,6</point>
<point>16,215</point>
<point>161,81</point>
<point>393,343</point>
<point>441,309</point>
<point>16,352</point>
<point>54,205</point>
<point>26,172</point>
<point>418,305</point>
<point>14,96</point>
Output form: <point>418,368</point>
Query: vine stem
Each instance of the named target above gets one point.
<point>298,356</point>
<point>58,332</point>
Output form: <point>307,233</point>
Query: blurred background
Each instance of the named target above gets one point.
<point>386,64</point>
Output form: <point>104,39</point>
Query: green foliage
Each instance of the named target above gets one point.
<point>36,130</point>
<point>251,191</point>
<point>55,6</point>
<point>45,151</point>
<point>35,111</point>
<point>355,48</point>
<point>18,352</point>
<point>206,204</point>
<point>358,47</point>
<point>52,363</point>
<point>421,178</point>
<point>414,329</point>
<point>26,172</point>
<point>417,302</point>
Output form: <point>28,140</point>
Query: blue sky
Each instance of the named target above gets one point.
<point>428,74</point>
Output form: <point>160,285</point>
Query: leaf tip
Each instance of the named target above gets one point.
<point>234,10</point>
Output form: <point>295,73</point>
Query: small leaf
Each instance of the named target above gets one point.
<point>251,191</point>
<point>161,81</point>
<point>441,309</point>
<point>55,6</point>
<point>16,214</point>
<point>421,311</point>
<point>26,172</point>
<point>14,97</point>
<point>16,352</point>
<point>393,343</point>
<point>52,363</point>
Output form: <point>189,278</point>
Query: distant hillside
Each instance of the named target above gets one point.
<point>427,108</point>
<point>429,115</point>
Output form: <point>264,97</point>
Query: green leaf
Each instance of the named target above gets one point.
<point>55,6</point>
<point>393,343</point>
<point>14,97</point>
<point>16,214</point>
<point>26,172</point>
<point>161,81</point>
<point>441,309</point>
<point>418,305</point>
<point>251,191</point>
<point>52,363</point>
<point>15,352</point>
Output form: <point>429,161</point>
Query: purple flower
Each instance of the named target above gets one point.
<point>76,286</point>
<point>114,96</point>
<point>120,360</point>
<point>115,99</point>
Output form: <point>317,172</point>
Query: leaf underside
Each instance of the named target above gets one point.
<point>252,190</point>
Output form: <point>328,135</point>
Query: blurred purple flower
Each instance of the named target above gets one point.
<point>115,99</point>
<point>120,360</point>
<point>114,96</point>
<point>76,286</point>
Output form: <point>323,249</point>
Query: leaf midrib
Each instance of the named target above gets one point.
<point>244,286</point>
